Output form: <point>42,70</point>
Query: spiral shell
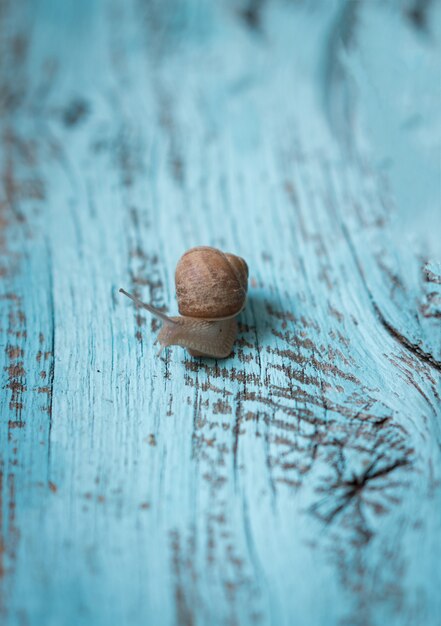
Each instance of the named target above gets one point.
<point>211,284</point>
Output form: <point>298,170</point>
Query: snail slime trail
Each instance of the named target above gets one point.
<point>211,289</point>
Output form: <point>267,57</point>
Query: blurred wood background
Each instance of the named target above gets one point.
<point>297,482</point>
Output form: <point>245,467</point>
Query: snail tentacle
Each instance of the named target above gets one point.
<point>153,310</point>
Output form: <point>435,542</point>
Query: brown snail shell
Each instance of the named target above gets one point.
<point>211,288</point>
<point>211,284</point>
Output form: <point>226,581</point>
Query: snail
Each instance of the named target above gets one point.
<point>211,289</point>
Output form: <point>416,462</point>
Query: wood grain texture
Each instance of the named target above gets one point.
<point>297,482</point>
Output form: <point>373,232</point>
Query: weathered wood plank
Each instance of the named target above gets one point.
<point>298,481</point>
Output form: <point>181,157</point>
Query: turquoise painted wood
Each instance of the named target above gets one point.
<point>297,482</point>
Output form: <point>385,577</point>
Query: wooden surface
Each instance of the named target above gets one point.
<point>298,482</point>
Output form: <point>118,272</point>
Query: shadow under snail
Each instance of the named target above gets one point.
<point>211,289</point>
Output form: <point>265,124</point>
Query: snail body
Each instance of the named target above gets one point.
<point>211,289</point>
<point>200,337</point>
